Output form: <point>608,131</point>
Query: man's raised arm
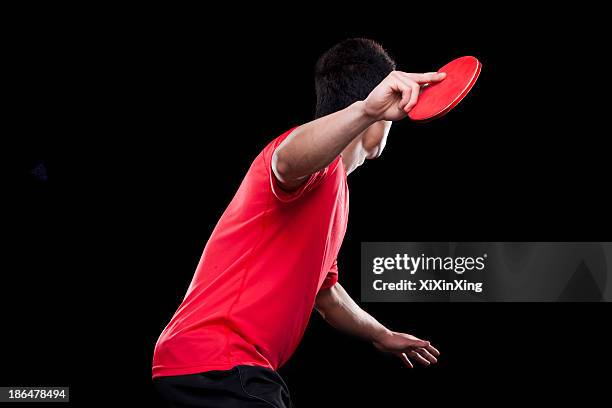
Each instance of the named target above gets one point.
<point>341,311</point>
<point>316,144</point>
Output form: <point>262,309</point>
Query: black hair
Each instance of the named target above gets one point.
<point>348,72</point>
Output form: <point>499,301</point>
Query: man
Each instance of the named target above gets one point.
<point>271,258</point>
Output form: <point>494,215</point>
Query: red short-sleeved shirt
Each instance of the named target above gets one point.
<point>255,286</point>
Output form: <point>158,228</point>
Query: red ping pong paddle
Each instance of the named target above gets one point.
<point>436,99</point>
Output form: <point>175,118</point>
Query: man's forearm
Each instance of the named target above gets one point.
<point>316,144</point>
<point>341,311</point>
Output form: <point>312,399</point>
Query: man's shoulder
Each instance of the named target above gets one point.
<point>274,143</point>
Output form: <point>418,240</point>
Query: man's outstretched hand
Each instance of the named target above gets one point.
<point>406,346</point>
<point>397,94</point>
<point>341,311</point>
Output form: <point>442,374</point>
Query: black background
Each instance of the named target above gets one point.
<point>146,121</point>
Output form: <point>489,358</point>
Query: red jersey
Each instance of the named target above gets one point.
<point>255,286</point>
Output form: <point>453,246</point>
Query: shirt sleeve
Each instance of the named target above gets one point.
<point>287,196</point>
<point>332,276</point>
<point>312,182</point>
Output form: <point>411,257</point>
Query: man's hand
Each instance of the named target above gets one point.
<point>337,307</point>
<point>404,346</point>
<point>316,144</point>
<point>397,94</point>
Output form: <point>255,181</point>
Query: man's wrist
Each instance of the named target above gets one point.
<point>367,117</point>
<point>380,335</point>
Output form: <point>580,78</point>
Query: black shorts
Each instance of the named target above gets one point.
<point>242,386</point>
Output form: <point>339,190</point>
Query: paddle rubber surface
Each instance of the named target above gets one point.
<point>437,99</point>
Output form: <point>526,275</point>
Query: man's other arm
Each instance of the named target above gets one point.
<point>341,311</point>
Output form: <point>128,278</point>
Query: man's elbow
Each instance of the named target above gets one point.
<point>326,300</point>
<point>281,165</point>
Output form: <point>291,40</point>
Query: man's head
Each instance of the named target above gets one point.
<point>347,73</point>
